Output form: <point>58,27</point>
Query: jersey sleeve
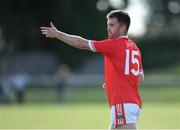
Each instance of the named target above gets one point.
<point>99,46</point>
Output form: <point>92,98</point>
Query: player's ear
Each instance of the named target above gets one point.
<point>123,27</point>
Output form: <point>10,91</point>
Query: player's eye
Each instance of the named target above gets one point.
<point>111,25</point>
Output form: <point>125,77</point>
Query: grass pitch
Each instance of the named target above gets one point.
<point>161,110</point>
<point>84,116</point>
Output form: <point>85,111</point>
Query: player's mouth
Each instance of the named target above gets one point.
<point>109,33</point>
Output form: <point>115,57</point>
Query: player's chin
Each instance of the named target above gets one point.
<point>110,36</point>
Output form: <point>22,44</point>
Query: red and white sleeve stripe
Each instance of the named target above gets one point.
<point>91,45</point>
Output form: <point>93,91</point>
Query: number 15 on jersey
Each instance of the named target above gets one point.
<point>131,58</point>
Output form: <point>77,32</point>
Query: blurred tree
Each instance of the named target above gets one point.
<point>161,44</point>
<point>164,14</point>
<point>20,21</point>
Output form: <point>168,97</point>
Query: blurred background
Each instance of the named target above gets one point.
<point>36,72</point>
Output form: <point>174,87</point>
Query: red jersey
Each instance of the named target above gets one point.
<point>123,64</point>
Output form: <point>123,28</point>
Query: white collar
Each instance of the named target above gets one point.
<point>126,36</point>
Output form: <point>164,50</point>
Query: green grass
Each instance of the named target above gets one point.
<point>160,94</point>
<point>97,94</point>
<point>160,115</point>
<point>87,108</point>
<point>79,116</point>
<point>54,116</point>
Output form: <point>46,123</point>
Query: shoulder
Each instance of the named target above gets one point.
<point>129,43</point>
<point>102,41</point>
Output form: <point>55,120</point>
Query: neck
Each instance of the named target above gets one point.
<point>123,36</point>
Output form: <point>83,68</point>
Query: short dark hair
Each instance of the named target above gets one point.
<point>122,17</point>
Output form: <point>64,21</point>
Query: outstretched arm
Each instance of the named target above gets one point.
<point>72,40</point>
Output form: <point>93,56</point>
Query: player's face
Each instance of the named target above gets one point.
<point>113,28</point>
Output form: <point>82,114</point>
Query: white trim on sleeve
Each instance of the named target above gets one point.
<point>91,46</point>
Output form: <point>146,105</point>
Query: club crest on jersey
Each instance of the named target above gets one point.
<point>120,116</point>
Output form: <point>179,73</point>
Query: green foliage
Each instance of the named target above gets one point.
<point>160,51</point>
<point>20,22</point>
<point>161,44</point>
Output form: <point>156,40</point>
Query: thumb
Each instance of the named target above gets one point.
<point>52,25</point>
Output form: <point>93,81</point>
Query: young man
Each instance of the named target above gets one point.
<point>123,67</point>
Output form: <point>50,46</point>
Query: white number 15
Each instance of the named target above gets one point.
<point>134,60</point>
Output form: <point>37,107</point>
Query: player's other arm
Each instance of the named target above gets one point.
<point>72,40</point>
<point>104,85</point>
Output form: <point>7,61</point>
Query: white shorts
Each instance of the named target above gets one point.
<point>124,113</point>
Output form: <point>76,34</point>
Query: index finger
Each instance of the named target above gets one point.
<point>45,27</point>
